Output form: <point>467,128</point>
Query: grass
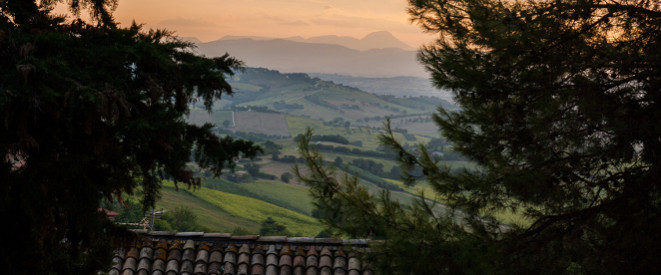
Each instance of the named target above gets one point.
<point>223,212</point>
<point>297,196</point>
<point>209,215</point>
<point>257,210</point>
<point>292,197</point>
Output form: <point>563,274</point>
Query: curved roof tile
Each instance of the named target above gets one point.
<point>242,269</point>
<point>133,253</point>
<point>271,270</point>
<point>298,261</point>
<point>214,268</point>
<point>228,268</point>
<point>186,267</point>
<point>159,265</point>
<point>189,255</point>
<point>257,270</point>
<point>144,264</point>
<point>200,268</point>
<point>146,252</point>
<point>271,260</point>
<point>285,260</point>
<point>299,270</point>
<point>116,263</point>
<point>230,257</point>
<point>129,264</point>
<point>311,270</point>
<point>202,256</point>
<point>173,266</point>
<point>175,254</point>
<point>285,270</point>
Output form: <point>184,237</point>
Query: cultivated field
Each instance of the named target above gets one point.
<point>261,123</point>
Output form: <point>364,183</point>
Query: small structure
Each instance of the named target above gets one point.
<point>111,214</point>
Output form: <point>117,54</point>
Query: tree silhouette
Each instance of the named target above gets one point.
<point>92,111</point>
<point>560,108</point>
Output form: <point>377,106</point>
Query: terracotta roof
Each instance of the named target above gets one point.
<point>169,253</point>
<point>108,212</point>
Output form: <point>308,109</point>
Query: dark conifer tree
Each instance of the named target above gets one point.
<point>91,111</point>
<point>561,103</point>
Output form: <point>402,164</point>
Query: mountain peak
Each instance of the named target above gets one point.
<point>384,39</point>
<point>375,40</point>
<point>380,34</point>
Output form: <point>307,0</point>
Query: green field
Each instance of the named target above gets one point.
<point>256,210</point>
<point>292,197</point>
<point>223,212</point>
<point>208,214</point>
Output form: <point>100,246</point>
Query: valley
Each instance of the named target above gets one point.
<point>273,108</point>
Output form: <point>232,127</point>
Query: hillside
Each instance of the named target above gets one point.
<point>304,96</point>
<point>272,109</point>
<point>224,212</point>
<point>399,86</point>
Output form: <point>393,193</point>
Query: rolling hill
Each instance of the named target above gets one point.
<point>259,89</point>
<point>274,107</point>
<point>223,212</point>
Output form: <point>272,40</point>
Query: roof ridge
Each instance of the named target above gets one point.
<point>228,237</point>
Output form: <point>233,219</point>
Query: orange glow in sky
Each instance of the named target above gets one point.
<point>212,19</point>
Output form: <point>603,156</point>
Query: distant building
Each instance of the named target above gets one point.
<point>111,214</point>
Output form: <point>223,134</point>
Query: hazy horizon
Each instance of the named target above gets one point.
<point>209,20</point>
<point>293,38</point>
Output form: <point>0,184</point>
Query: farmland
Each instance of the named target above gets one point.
<point>270,107</point>
<point>261,123</point>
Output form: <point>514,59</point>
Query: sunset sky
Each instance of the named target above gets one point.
<point>212,19</point>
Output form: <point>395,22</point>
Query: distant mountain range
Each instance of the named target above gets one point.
<point>372,41</point>
<point>376,55</point>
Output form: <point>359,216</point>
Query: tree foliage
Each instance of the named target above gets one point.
<point>270,227</point>
<point>286,177</point>
<point>90,110</point>
<point>183,219</point>
<point>560,108</point>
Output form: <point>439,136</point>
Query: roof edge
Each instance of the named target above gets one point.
<point>229,238</point>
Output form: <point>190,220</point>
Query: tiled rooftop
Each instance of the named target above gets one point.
<point>169,253</point>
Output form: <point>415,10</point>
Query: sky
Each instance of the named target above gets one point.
<point>210,20</point>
